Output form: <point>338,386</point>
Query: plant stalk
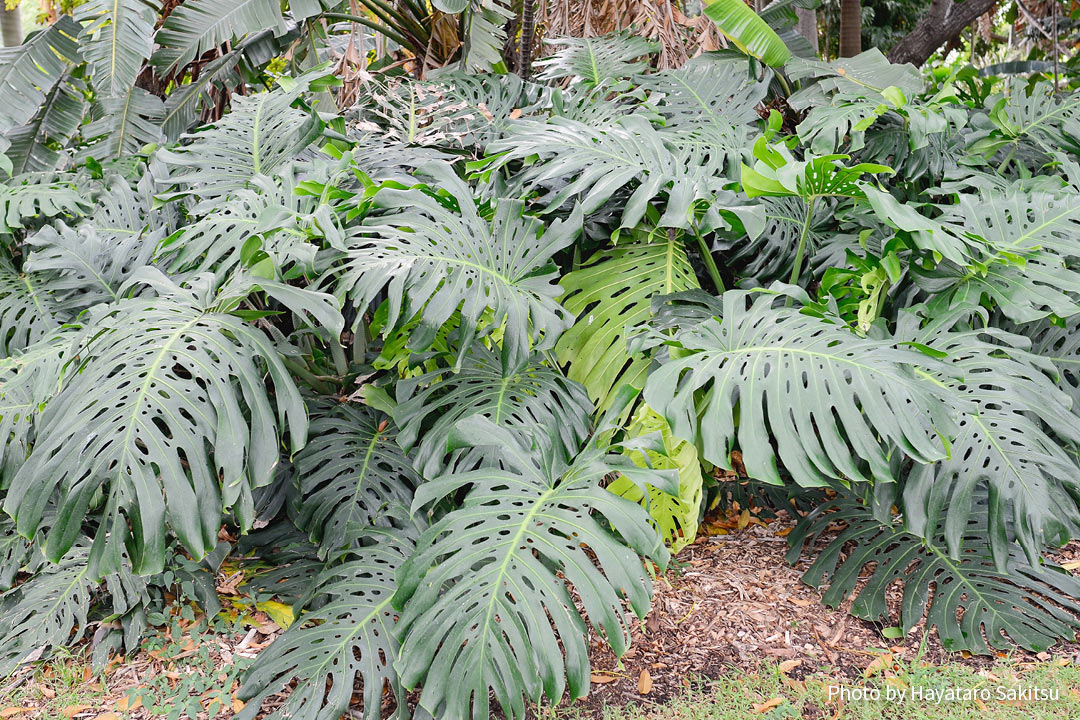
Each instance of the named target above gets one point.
<point>710,262</point>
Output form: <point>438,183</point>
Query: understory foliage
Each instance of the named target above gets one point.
<point>464,359</point>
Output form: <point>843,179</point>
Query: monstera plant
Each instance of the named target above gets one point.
<point>463,358</point>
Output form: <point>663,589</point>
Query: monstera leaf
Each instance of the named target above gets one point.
<point>706,91</point>
<point>611,296</point>
<point>261,133</point>
<point>166,413</point>
<point>867,75</point>
<point>348,475</point>
<point>1060,344</point>
<point>1001,445</point>
<point>1026,289</point>
<point>35,198</point>
<point>117,38</point>
<point>571,160</point>
<point>806,393</point>
<point>81,268</point>
<point>29,71</point>
<point>434,258</point>
<point>349,636</point>
<point>28,311</point>
<point>972,604</point>
<point>676,516</point>
<point>519,398</point>
<point>486,598</point>
<point>593,61</point>
<point>27,381</point>
<point>51,609</point>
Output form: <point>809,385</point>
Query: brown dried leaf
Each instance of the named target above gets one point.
<point>644,683</point>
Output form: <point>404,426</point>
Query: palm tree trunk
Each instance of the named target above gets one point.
<point>807,26</point>
<point>850,28</point>
<point>11,25</point>
<point>528,34</point>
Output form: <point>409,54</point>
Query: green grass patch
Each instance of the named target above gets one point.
<point>912,690</point>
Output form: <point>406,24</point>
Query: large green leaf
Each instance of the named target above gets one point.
<point>51,608</point>
<point>570,160</point>
<point>349,636</point>
<point>611,296</point>
<point>520,398</point>
<point>488,604</point>
<point>349,474</point>
<point>707,91</point>
<point>37,197</point>
<point>186,98</point>
<point>782,386</point>
<point>29,71</point>
<point>749,32</point>
<point>28,309</point>
<point>972,605</point>
<point>34,146</point>
<point>1006,398</point>
<point>166,413</point>
<point>436,255</point>
<point>260,134</point>
<point>864,76</point>
<point>117,37</point>
<point>122,125</point>
<point>28,380</point>
<point>593,61</point>
<point>198,26</point>
<point>81,268</point>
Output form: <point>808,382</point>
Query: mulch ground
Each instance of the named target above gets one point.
<point>734,603</point>
<point>729,603</point>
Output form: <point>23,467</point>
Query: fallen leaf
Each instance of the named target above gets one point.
<point>744,519</point>
<point>789,665</point>
<point>13,711</point>
<point>644,683</point>
<point>72,710</point>
<point>768,705</point>
<point>601,679</point>
<point>107,716</point>
<point>237,705</point>
<point>47,692</point>
<point>126,704</point>
<point>881,662</point>
<point>1074,565</point>
<point>280,613</point>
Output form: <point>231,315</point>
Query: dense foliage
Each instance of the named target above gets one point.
<point>464,358</point>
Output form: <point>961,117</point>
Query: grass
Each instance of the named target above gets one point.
<point>772,695</point>
<point>63,683</point>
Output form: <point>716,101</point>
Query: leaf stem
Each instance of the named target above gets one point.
<point>710,263</point>
<point>804,234</point>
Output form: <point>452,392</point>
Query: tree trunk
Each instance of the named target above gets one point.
<point>528,36</point>
<point>11,25</point>
<point>850,28</point>
<point>807,26</point>
<point>944,21</point>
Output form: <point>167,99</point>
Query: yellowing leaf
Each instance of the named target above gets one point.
<point>281,613</point>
